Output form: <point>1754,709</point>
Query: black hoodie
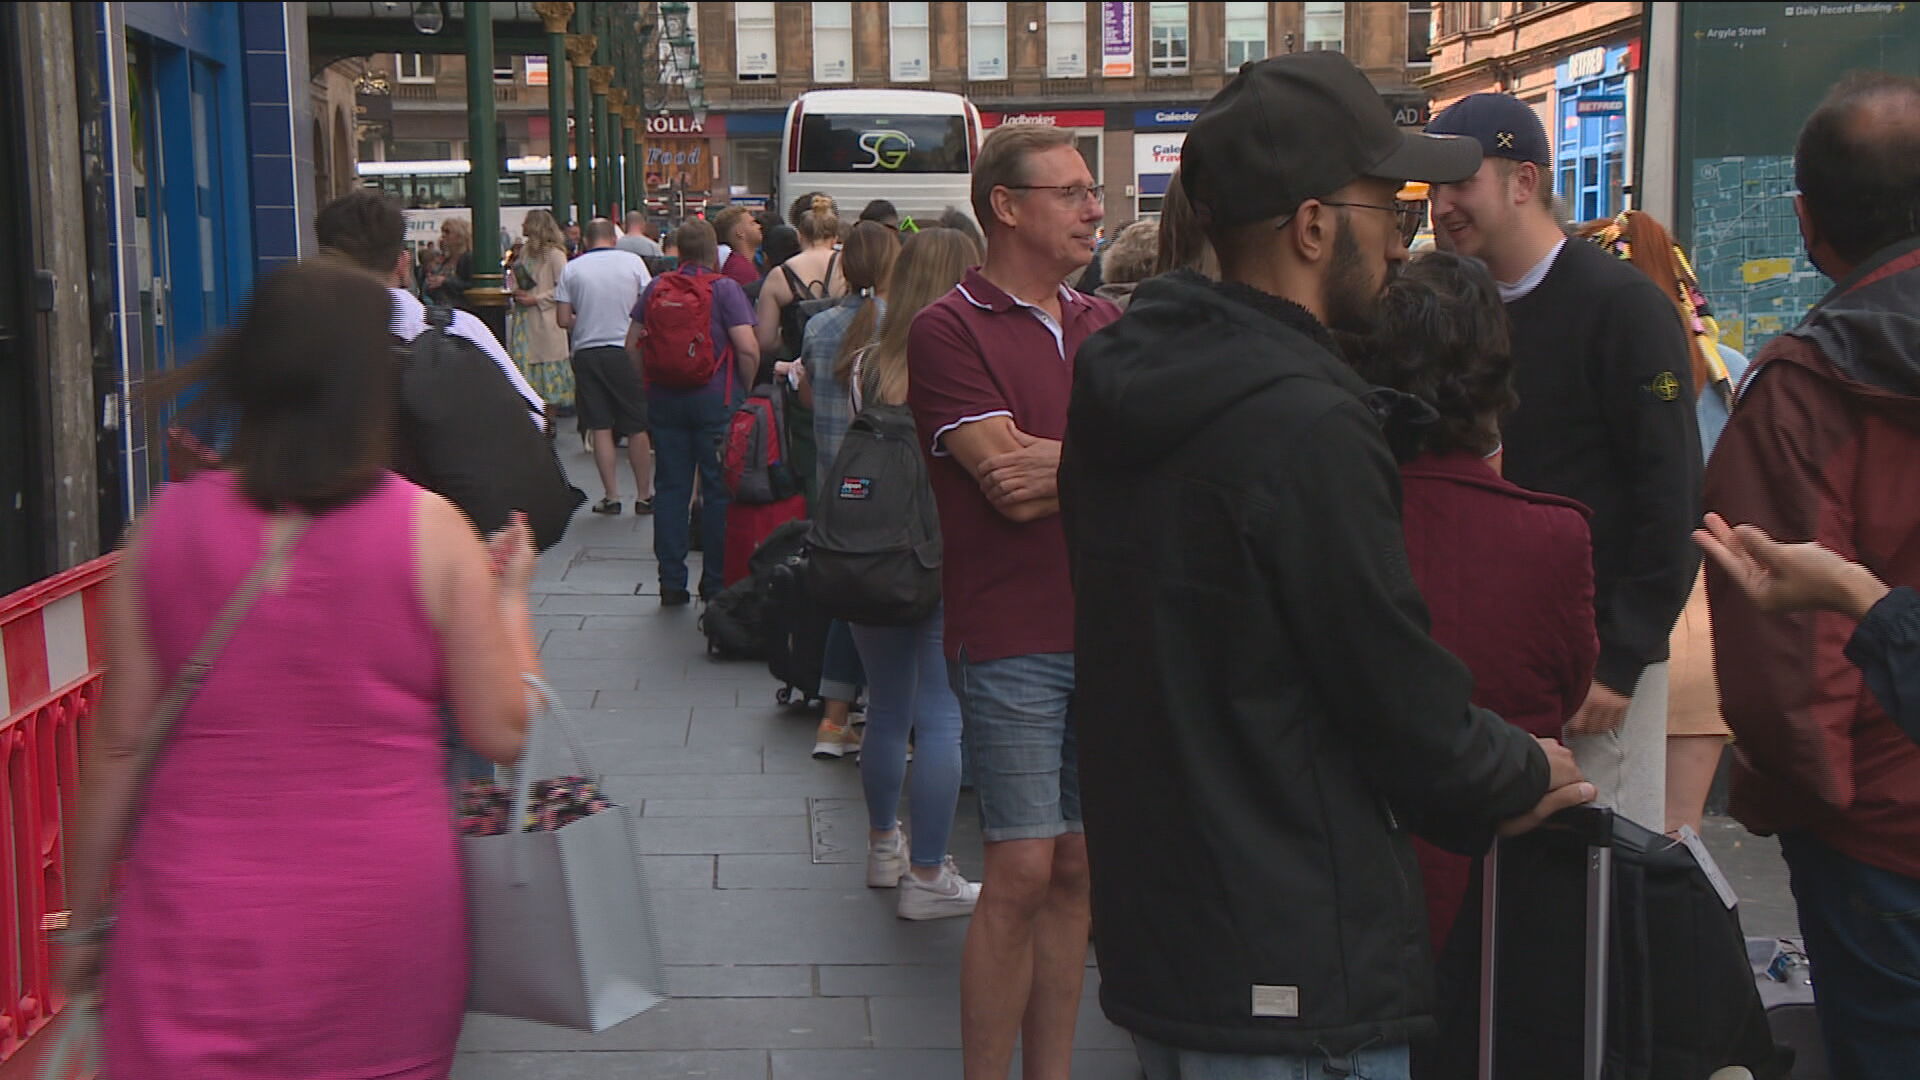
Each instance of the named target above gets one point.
<point>1262,713</point>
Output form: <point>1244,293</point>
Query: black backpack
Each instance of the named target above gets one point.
<point>464,432</point>
<point>874,551</point>
<point>808,301</point>
<point>735,622</point>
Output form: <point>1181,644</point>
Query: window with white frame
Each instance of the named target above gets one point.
<point>755,48</point>
<point>1066,40</point>
<point>1168,55</point>
<point>1327,27</point>
<point>1246,34</point>
<point>413,67</point>
<point>833,42</point>
<point>907,41</point>
<point>987,40</point>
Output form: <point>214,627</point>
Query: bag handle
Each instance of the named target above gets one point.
<point>532,757</point>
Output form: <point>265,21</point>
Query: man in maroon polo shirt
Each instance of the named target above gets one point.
<point>991,371</point>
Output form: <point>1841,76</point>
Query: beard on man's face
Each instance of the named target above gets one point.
<point>1353,296</point>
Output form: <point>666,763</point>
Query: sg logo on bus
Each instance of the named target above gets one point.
<point>888,149</point>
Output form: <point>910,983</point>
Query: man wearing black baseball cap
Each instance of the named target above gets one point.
<point>1606,417</point>
<point>1266,716</point>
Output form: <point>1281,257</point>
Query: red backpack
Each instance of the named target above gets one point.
<point>677,348</point>
<point>754,458</point>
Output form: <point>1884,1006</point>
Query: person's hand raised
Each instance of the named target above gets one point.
<point>1788,577</point>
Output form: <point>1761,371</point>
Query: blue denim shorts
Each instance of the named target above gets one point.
<point>1018,738</point>
<point>1161,1062</point>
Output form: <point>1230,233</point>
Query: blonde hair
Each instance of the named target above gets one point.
<point>728,220</point>
<point>1003,163</point>
<point>459,234</point>
<point>543,234</point>
<point>821,222</point>
<point>931,263</point>
<point>1132,255</point>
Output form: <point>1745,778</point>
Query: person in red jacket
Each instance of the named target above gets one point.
<point>1823,447</point>
<point>1507,573</point>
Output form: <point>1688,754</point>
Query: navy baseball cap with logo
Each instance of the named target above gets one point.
<point>1506,127</point>
<point>1302,126</point>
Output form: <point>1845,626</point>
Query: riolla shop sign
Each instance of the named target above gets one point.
<point>684,124</point>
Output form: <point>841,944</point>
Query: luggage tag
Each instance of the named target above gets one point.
<point>1707,866</point>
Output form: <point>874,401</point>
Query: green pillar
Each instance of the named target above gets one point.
<point>636,178</point>
<point>601,81</point>
<point>616,136</point>
<point>486,297</point>
<point>555,17</point>
<point>580,53</point>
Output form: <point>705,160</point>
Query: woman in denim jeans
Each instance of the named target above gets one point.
<point>907,688</point>
<point>867,263</point>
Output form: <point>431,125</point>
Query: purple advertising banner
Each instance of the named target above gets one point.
<point>1116,40</point>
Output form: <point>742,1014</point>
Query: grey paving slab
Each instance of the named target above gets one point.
<point>798,926</point>
<point>687,694</point>
<point>599,645</point>
<point>679,761</point>
<point>630,731</point>
<point>1758,874</point>
<point>679,871</point>
<point>564,602</point>
<point>934,1022</point>
<point>721,836</point>
<point>544,623</point>
<point>694,1024</point>
<point>565,674</point>
<point>740,980</point>
<point>788,872</point>
<point>713,808</point>
<point>890,980</point>
<point>604,623</point>
<point>928,1065</point>
<point>842,781</point>
<point>605,1065</point>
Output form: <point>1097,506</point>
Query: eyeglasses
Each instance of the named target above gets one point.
<point>1409,216</point>
<point>1072,194</point>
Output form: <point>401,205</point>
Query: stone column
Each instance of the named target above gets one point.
<point>487,299</point>
<point>554,17</point>
<point>580,54</point>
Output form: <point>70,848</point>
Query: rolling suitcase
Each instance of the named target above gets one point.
<point>796,633</point>
<point>1608,952</point>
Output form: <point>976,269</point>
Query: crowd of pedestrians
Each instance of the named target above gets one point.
<point>1283,571</point>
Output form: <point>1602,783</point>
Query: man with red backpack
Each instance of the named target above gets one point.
<point>693,339</point>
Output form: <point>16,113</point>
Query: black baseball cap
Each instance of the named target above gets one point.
<point>1302,126</point>
<point>1505,126</point>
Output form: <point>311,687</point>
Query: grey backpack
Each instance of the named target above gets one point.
<point>874,551</point>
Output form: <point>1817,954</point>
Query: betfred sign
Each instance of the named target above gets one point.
<point>713,125</point>
<point>1066,118</point>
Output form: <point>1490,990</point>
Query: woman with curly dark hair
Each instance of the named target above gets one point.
<point>1507,573</point>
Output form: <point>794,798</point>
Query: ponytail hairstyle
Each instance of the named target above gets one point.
<point>931,263</point>
<point>820,223</point>
<point>867,263</point>
<point>1638,238</point>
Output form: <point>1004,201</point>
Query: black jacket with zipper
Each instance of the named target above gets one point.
<point>1260,711</point>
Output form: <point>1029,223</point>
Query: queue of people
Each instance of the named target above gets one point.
<point>1282,574</point>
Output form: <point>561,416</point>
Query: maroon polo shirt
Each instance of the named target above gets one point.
<point>977,353</point>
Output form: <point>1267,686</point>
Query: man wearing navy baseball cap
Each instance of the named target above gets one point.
<point>1264,717</point>
<point>1606,417</point>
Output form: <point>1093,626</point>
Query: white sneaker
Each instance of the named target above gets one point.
<point>944,897</point>
<point>887,863</point>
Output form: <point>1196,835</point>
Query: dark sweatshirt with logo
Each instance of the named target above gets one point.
<point>1606,416</point>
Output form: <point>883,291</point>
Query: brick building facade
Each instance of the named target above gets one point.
<point>1579,65</point>
<point>1127,78</point>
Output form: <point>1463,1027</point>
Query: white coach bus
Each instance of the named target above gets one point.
<point>914,148</point>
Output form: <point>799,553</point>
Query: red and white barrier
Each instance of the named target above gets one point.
<point>54,636</point>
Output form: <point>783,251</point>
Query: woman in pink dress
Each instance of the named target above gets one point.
<point>290,903</point>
